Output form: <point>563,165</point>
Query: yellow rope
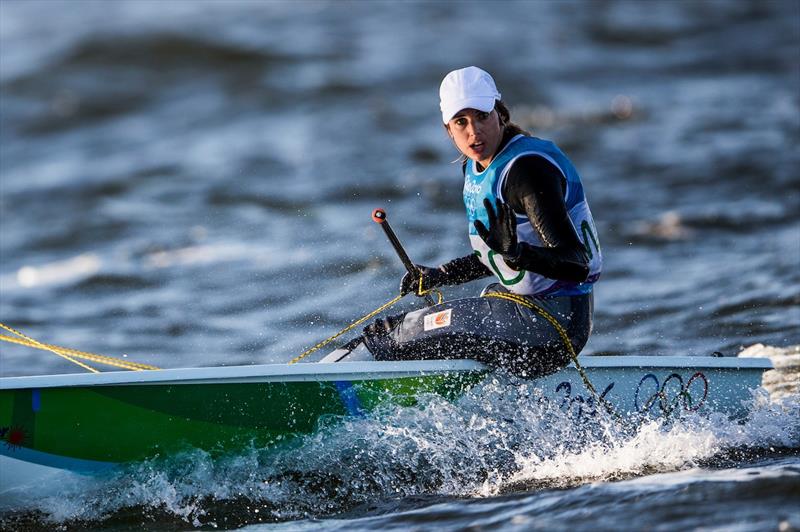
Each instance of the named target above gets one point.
<point>343,331</point>
<point>564,337</point>
<point>499,295</point>
<point>45,348</point>
<point>422,293</point>
<point>81,354</point>
<point>72,354</point>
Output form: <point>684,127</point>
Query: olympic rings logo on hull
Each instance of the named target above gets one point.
<point>672,394</point>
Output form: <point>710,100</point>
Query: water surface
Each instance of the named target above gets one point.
<point>190,184</point>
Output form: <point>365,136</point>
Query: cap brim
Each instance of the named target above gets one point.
<point>482,103</point>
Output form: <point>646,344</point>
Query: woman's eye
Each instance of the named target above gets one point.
<point>461,122</point>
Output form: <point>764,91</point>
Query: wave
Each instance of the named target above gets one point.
<point>749,217</point>
<point>102,77</point>
<point>111,281</point>
<point>158,53</point>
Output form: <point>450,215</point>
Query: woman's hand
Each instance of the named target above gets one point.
<point>431,278</point>
<point>501,236</point>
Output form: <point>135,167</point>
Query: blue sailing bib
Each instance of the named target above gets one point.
<point>489,184</point>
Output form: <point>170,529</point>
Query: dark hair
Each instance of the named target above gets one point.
<point>509,127</point>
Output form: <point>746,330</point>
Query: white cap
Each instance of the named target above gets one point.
<point>467,88</point>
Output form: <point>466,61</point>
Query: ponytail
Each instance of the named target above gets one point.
<point>509,127</point>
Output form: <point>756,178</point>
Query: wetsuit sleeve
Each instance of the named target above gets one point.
<point>536,187</point>
<point>464,269</point>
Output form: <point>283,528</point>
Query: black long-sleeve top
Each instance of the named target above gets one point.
<point>535,187</point>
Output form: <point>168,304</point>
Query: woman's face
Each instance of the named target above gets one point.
<point>477,134</point>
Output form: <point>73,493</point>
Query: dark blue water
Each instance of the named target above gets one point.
<point>190,184</point>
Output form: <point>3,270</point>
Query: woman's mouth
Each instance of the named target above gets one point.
<point>477,146</point>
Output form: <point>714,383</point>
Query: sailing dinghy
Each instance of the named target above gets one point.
<point>91,422</point>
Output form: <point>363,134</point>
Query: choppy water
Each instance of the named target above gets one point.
<point>190,184</point>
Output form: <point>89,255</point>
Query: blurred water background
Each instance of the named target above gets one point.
<point>190,184</point>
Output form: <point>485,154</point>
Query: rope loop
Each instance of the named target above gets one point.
<point>516,298</point>
<point>423,293</point>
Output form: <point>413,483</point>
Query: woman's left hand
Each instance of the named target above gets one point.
<point>501,236</point>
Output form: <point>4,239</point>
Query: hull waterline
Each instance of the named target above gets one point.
<point>90,423</point>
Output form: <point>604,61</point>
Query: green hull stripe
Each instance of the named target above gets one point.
<point>130,423</point>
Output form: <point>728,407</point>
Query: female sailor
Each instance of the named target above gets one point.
<point>529,226</point>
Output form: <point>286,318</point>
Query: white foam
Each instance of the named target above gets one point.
<point>784,379</point>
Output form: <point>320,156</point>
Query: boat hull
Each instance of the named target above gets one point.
<point>88,423</point>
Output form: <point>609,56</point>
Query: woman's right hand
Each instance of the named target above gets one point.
<point>431,278</point>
